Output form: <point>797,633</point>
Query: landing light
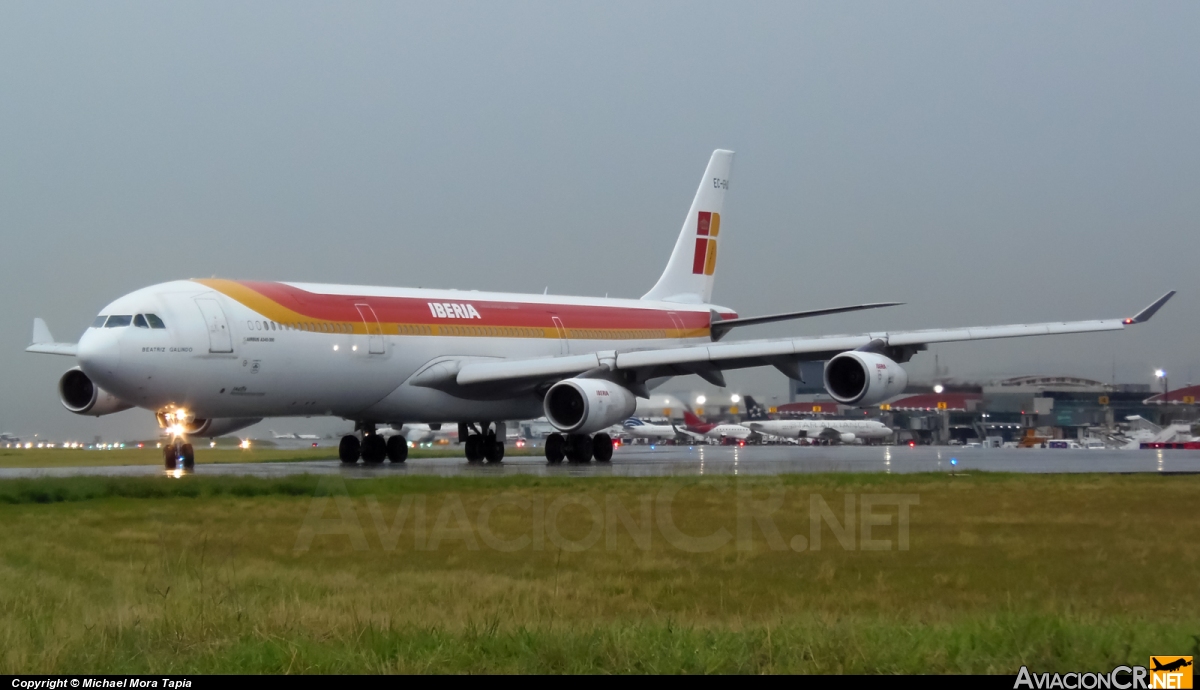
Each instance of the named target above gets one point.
<point>939,388</point>
<point>735,398</point>
<point>335,348</point>
<point>245,444</point>
<point>700,399</point>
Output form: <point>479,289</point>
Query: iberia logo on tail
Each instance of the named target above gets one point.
<point>708,224</point>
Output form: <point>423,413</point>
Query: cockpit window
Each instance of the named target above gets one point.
<point>140,321</point>
<point>118,321</point>
<point>99,322</point>
<point>154,321</point>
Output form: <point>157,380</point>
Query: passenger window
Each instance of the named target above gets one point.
<point>154,321</point>
<point>118,321</point>
<point>273,326</point>
<point>99,322</point>
<point>140,321</point>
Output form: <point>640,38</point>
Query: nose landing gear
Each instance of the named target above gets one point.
<point>178,455</point>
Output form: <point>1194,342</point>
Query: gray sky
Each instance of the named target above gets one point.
<point>983,162</point>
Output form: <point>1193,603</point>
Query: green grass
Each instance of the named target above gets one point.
<point>211,574</point>
<point>73,457</point>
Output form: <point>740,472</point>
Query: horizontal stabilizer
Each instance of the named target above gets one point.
<point>43,341</point>
<point>719,327</point>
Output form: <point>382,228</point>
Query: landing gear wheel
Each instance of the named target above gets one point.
<point>348,450</point>
<point>474,448</point>
<point>169,457</point>
<point>189,458</point>
<point>579,448</point>
<point>602,447</point>
<point>494,452</point>
<point>397,449</point>
<point>374,449</point>
<point>554,448</point>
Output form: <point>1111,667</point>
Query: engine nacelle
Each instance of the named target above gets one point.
<point>211,428</point>
<point>585,406</point>
<point>846,437</point>
<point>863,378</point>
<point>81,395</point>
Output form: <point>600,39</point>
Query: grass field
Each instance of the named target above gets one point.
<point>71,457</point>
<point>526,574</point>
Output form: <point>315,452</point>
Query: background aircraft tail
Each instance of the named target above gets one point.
<point>693,423</point>
<point>688,277</point>
<point>754,411</point>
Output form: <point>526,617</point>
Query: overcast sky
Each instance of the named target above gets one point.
<point>982,162</point>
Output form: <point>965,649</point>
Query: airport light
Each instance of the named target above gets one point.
<point>939,388</point>
<point>1162,374</point>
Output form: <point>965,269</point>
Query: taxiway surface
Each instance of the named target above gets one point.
<point>636,461</point>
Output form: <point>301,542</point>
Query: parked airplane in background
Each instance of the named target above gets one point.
<point>720,432</point>
<point>210,356</point>
<point>6,437</point>
<point>294,436</point>
<point>639,429</point>
<point>843,430</point>
<point>425,433</point>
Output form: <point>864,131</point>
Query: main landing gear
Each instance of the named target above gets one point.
<point>179,455</point>
<point>483,443</point>
<point>373,449</point>
<point>578,448</point>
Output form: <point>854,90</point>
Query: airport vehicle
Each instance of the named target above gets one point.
<point>840,430</point>
<point>210,356</point>
<point>638,428</point>
<point>699,428</point>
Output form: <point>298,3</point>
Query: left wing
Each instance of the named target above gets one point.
<point>785,354</point>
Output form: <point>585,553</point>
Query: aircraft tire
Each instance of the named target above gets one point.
<point>473,448</point>
<point>397,448</point>
<point>169,458</point>
<point>579,448</point>
<point>374,449</point>
<point>494,451</point>
<point>348,449</point>
<point>602,447</point>
<point>554,448</point>
<point>189,457</point>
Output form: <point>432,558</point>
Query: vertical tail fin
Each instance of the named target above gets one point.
<point>754,411</point>
<point>688,277</point>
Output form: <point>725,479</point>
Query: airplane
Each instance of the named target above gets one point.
<point>699,428</point>
<point>424,433</point>
<point>843,430</point>
<point>210,356</point>
<point>639,429</point>
<point>295,436</point>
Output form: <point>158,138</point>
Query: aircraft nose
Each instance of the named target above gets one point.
<point>100,353</point>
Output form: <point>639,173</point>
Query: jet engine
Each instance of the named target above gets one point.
<point>846,437</point>
<point>585,406</point>
<point>211,428</point>
<point>863,378</point>
<point>81,396</point>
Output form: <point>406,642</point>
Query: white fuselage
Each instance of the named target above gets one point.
<point>651,431</point>
<point>244,349</point>
<point>867,429</point>
<point>722,431</point>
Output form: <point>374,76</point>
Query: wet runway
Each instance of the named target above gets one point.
<point>638,461</point>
